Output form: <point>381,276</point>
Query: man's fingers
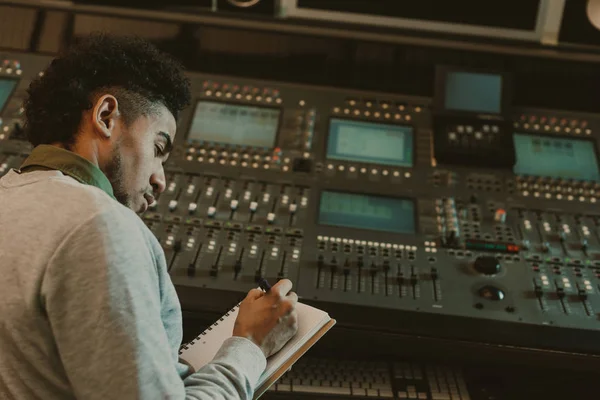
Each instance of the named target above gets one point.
<point>282,287</point>
<point>292,297</point>
<point>255,294</point>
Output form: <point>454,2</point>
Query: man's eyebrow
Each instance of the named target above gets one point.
<point>169,145</point>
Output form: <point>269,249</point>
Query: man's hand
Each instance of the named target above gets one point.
<point>268,319</point>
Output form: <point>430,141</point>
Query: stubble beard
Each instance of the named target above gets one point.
<point>114,173</point>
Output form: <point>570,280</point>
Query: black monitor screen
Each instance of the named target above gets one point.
<point>473,92</point>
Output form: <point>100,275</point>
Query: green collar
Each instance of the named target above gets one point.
<point>45,157</point>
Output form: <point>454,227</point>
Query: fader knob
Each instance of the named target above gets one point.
<point>486,265</point>
<point>211,211</point>
<point>253,206</point>
<point>546,247</point>
<point>177,246</point>
<point>237,266</point>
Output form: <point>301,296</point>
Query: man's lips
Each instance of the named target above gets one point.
<point>149,200</point>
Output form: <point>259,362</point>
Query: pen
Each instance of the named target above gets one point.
<point>264,285</point>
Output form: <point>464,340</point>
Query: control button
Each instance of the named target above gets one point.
<point>192,208</point>
<point>234,204</point>
<point>253,206</point>
<point>486,265</point>
<point>491,293</point>
<point>293,208</point>
<point>270,218</point>
<point>500,216</point>
<point>546,247</point>
<point>211,211</point>
<point>172,205</point>
<point>302,165</point>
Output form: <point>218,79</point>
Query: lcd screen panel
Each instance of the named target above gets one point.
<point>555,157</point>
<point>6,88</point>
<point>473,92</point>
<point>370,212</point>
<point>234,124</point>
<point>369,142</point>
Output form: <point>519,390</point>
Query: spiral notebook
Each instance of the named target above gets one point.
<point>312,325</point>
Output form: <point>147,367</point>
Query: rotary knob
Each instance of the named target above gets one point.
<point>487,265</point>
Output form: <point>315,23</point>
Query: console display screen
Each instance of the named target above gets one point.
<point>362,211</point>
<point>369,142</point>
<point>234,124</point>
<point>6,88</point>
<point>555,157</point>
<point>473,92</point>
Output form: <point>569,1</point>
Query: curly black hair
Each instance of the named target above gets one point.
<point>130,68</point>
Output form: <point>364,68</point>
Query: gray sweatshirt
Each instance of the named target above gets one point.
<point>87,309</point>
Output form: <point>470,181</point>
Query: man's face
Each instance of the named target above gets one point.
<point>134,167</point>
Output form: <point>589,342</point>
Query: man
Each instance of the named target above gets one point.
<point>88,309</point>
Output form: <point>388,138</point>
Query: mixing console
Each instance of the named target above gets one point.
<point>378,207</point>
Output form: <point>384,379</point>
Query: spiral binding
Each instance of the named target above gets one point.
<point>210,328</point>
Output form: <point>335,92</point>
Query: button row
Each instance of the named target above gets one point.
<point>11,66</point>
<point>470,129</point>
<point>234,205</point>
<point>542,180</point>
<point>453,136</point>
<point>559,189</point>
<point>240,96</point>
<point>366,243</point>
<point>240,88</point>
<point>276,156</point>
<point>556,129</point>
<point>365,170</point>
<point>559,196</point>
<point>370,114</point>
<point>236,163</point>
<point>384,105</point>
<point>533,119</point>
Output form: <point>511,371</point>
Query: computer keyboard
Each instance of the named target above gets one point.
<point>327,378</point>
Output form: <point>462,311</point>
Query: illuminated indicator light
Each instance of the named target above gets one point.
<point>492,246</point>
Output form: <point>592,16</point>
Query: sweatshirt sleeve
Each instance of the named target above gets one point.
<point>101,293</point>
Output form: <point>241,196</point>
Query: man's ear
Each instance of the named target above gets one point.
<point>104,115</point>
